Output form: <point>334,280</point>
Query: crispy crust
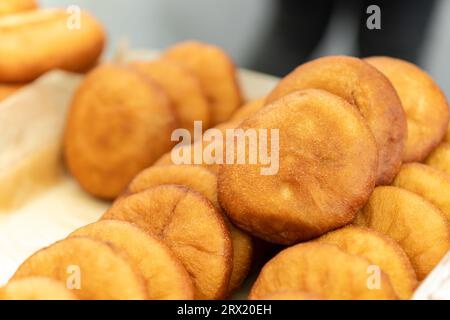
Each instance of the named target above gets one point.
<point>424,103</point>
<point>190,225</point>
<point>105,271</point>
<point>119,123</point>
<point>216,72</point>
<point>38,41</point>
<point>429,183</point>
<point>365,87</point>
<point>165,276</point>
<point>419,227</point>
<point>382,251</point>
<point>322,180</point>
<point>205,182</point>
<point>182,87</point>
<point>320,269</point>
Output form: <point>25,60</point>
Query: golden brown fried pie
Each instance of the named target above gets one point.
<point>424,103</point>
<point>205,182</point>
<point>323,179</point>
<point>38,41</point>
<point>324,270</point>
<point>118,124</point>
<point>97,270</point>
<point>165,276</point>
<point>370,91</point>
<point>182,87</point>
<point>382,251</point>
<point>8,7</point>
<point>190,225</point>
<point>216,72</point>
<point>419,227</point>
<point>429,183</point>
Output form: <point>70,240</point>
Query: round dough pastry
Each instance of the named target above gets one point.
<point>165,276</point>
<point>365,87</point>
<point>382,251</point>
<point>205,182</point>
<point>327,169</point>
<point>97,270</point>
<point>36,288</point>
<point>118,124</point>
<point>182,87</point>
<point>419,227</point>
<point>321,269</point>
<point>425,106</point>
<point>189,224</point>
<point>216,72</point>
<point>8,7</point>
<point>428,182</point>
<point>38,41</point>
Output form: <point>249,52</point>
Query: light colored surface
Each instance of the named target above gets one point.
<point>31,128</point>
<point>40,107</point>
<point>44,220</point>
<point>32,121</point>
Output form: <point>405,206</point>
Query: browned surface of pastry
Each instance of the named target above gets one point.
<point>216,72</point>
<point>182,87</point>
<point>38,41</point>
<point>424,103</point>
<point>98,270</point>
<point>320,269</point>
<point>323,179</point>
<point>369,90</point>
<point>190,225</point>
<point>119,123</point>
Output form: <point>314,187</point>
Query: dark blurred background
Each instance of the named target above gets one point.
<point>274,36</point>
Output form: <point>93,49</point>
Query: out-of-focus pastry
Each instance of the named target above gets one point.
<point>8,7</point>
<point>216,72</point>
<point>119,123</point>
<point>369,90</point>
<point>35,42</point>
<point>182,87</point>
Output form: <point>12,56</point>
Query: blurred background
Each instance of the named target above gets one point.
<point>274,36</point>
